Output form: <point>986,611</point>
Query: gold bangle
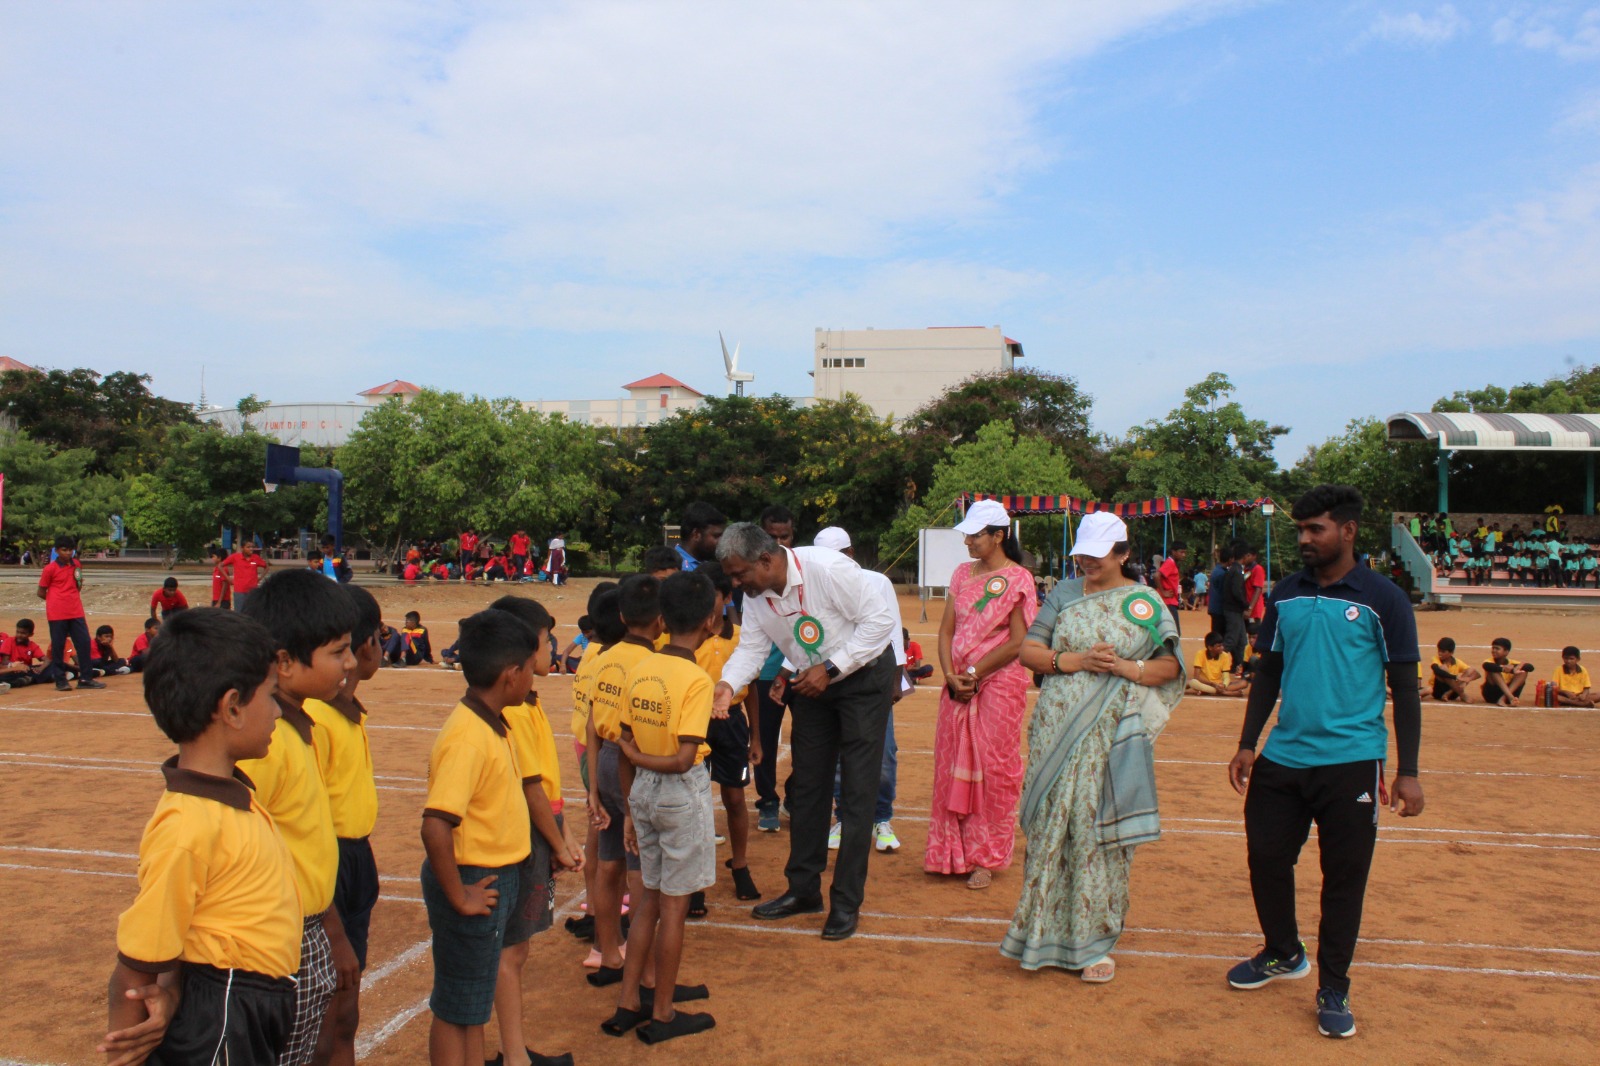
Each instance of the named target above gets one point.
<point>1055,662</point>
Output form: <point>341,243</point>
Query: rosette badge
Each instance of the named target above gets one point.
<point>808,631</point>
<point>995,586</point>
<point>1144,610</point>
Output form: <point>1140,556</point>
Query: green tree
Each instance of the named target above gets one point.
<point>1206,448</point>
<point>1392,477</point>
<point>116,416</point>
<point>49,493</point>
<point>998,460</point>
<point>1576,393</point>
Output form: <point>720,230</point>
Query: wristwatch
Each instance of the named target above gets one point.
<point>833,671</point>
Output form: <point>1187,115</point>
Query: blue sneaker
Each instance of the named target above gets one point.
<point>768,821</point>
<point>1266,967</point>
<point>1333,1014</point>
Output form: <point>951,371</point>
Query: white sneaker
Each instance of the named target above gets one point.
<point>833,836</point>
<point>883,837</point>
<point>124,670</point>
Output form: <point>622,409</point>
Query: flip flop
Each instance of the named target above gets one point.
<point>1103,977</point>
<point>536,1059</point>
<point>980,879</point>
<point>682,1024</point>
<point>680,994</point>
<point>744,886</point>
<point>624,1020</point>
<point>605,975</point>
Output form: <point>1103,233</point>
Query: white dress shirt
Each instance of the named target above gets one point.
<point>885,589</point>
<point>858,621</point>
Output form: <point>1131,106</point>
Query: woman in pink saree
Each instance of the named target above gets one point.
<point>977,745</point>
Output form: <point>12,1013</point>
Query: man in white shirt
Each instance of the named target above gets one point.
<point>883,838</point>
<point>834,629</point>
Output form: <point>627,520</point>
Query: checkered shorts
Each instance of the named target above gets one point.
<point>314,986</point>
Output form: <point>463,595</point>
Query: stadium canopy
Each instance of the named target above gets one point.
<point>1462,431</point>
<point>1162,507</point>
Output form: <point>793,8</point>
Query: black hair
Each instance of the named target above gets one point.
<point>1225,553</point>
<point>215,549</point>
<point>1177,546</point>
<point>585,623</point>
<point>490,643</point>
<point>1572,650</point>
<point>328,541</point>
<point>148,622</point>
<point>717,576</point>
<point>1130,569</point>
<point>369,616</point>
<point>64,543</point>
<point>102,630</point>
<point>170,583</point>
<point>697,516</point>
<point>529,610</point>
<point>605,610</point>
<point>200,656</point>
<point>660,557</point>
<point>1242,548</point>
<point>776,513</point>
<point>639,600</point>
<point>687,600</point>
<point>1342,503</point>
<point>1214,637</point>
<point>599,590</point>
<point>1497,642</point>
<point>1446,644</point>
<point>303,611</point>
<point>413,614</point>
<point>25,623</point>
<point>905,635</point>
<point>1008,542</point>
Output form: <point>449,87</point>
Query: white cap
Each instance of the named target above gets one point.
<point>832,537</point>
<point>982,515</point>
<point>1097,533</point>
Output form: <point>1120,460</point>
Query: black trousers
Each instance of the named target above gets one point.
<point>845,727</point>
<point>1234,635</point>
<point>1279,808</point>
<point>771,714</point>
<point>78,630</point>
<point>228,1017</point>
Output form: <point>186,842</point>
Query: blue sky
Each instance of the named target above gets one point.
<point>1349,208</point>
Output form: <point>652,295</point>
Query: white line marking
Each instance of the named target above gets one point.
<point>70,851</point>
<point>65,870</point>
<point>396,964</point>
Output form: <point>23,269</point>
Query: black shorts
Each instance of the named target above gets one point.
<point>730,749</point>
<point>355,892</point>
<point>245,1015</point>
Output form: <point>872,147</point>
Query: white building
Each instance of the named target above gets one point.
<point>649,400</point>
<point>896,371</point>
<point>319,425</point>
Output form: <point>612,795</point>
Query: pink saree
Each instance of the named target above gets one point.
<point>977,746</point>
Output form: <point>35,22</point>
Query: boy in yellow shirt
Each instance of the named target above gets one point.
<point>729,738</point>
<point>670,817</point>
<point>344,756</point>
<point>640,608</point>
<point>310,619</point>
<point>552,846</point>
<point>475,830</point>
<point>207,953</point>
<point>1450,675</point>
<point>1213,670</point>
<point>1572,681</point>
<point>607,632</point>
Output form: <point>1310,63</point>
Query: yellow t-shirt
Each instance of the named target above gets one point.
<point>289,785</point>
<point>1572,683</point>
<point>610,677</point>
<point>216,883</point>
<point>1212,671</point>
<point>583,692</point>
<point>1455,668</point>
<point>344,757</point>
<point>713,655</point>
<point>534,743</point>
<point>668,701</point>
<point>474,784</point>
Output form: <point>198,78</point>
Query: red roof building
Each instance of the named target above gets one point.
<point>392,388</point>
<point>661,381</point>
<point>8,364</point>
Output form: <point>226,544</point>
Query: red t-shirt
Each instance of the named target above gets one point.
<point>412,571</point>
<point>1171,581</point>
<point>913,654</point>
<point>175,601</point>
<point>219,581</point>
<point>1256,579</point>
<point>60,582</point>
<point>13,650</point>
<point>246,570</point>
<point>469,543</point>
<point>520,543</point>
<point>141,644</point>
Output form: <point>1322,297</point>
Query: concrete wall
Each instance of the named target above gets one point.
<point>322,425</point>
<point>896,371</point>
<point>643,407</point>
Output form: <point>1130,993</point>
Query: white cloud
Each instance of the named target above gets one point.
<point>1415,28</point>
<point>1569,32</point>
<point>1583,116</point>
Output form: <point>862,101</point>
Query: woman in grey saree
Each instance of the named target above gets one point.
<point>1113,672</point>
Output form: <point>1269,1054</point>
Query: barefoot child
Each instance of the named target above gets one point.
<point>1450,675</point>
<point>475,831</point>
<point>207,953</point>
<point>1213,670</point>
<point>1504,677</point>
<point>729,739</point>
<point>1572,681</point>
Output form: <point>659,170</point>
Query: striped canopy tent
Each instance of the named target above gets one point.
<point>1461,431</point>
<point>1162,507</point>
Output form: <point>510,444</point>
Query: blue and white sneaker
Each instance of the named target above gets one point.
<point>768,822</point>
<point>1333,1014</point>
<point>1266,967</point>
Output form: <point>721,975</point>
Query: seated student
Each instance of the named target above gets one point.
<point>1591,567</point>
<point>141,644</point>
<point>553,848</point>
<point>496,569</point>
<point>67,669</point>
<point>660,562</point>
<point>666,715</point>
<point>572,654</point>
<point>1503,676</point>
<point>106,660</point>
<point>1571,682</point>
<point>1571,564</point>
<point>211,942</point>
<point>916,668</point>
<point>411,572</point>
<point>1448,675</point>
<point>168,599</point>
<point>475,831</point>
<point>450,657</point>
<point>1213,670</point>
<point>415,647</point>
<point>25,661</point>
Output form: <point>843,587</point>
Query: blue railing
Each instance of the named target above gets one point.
<point>1416,561</point>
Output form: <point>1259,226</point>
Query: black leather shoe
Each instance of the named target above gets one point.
<point>841,924</point>
<point>787,906</point>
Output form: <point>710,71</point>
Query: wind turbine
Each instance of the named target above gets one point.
<point>736,377</point>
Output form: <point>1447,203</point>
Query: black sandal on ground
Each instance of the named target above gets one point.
<point>682,1024</point>
<point>605,975</point>
<point>536,1059</point>
<point>697,905</point>
<point>624,1020</point>
<point>680,994</point>
<point>744,886</point>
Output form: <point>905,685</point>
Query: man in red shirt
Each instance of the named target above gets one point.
<point>1255,591</point>
<point>521,544</point>
<point>468,553</point>
<point>1170,578</point>
<point>59,587</point>
<point>244,570</point>
<point>168,598</point>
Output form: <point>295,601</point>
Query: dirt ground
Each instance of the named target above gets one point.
<point>1481,939</point>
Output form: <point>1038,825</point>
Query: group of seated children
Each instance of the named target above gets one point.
<point>1503,679</point>
<point>1536,559</point>
<point>24,661</point>
<point>1213,672</point>
<point>407,646</point>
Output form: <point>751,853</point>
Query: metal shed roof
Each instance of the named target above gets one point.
<point>1485,432</point>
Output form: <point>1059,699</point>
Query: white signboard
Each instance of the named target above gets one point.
<point>939,552</point>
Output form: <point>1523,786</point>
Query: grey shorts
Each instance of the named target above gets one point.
<point>611,847</point>
<point>673,818</point>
